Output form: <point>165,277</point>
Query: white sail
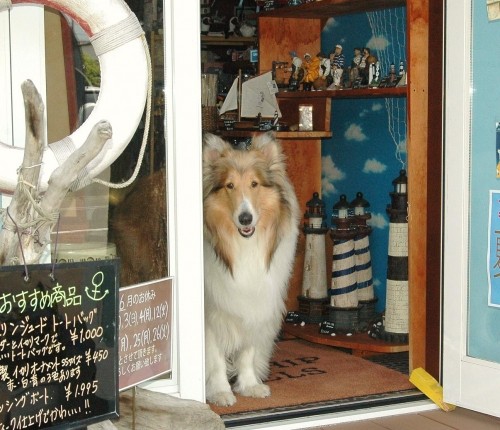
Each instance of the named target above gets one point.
<point>231,100</point>
<point>258,96</point>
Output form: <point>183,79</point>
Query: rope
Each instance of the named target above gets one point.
<point>62,149</point>
<point>43,216</point>
<point>392,22</point>
<point>146,130</point>
<point>26,275</point>
<point>52,274</point>
<point>117,35</point>
<point>36,221</point>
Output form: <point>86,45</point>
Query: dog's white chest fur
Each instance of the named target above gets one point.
<point>253,293</point>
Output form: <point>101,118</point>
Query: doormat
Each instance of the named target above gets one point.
<point>304,373</point>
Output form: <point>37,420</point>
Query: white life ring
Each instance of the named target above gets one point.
<point>119,42</point>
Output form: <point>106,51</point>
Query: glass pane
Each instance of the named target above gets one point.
<point>98,222</point>
<point>484,269</point>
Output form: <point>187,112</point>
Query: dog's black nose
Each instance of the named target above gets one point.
<point>245,218</point>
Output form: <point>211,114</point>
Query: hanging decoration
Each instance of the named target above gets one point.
<point>119,42</point>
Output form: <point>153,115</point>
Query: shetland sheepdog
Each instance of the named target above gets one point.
<point>251,218</point>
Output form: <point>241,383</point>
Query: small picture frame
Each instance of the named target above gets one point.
<point>254,55</point>
<point>305,118</point>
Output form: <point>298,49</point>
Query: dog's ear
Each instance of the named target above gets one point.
<point>214,147</point>
<point>269,146</point>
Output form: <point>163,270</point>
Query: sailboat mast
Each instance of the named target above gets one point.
<point>239,94</point>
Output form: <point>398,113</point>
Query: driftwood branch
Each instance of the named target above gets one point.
<point>30,217</point>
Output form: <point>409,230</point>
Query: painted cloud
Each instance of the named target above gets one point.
<point>330,174</point>
<point>378,220</point>
<point>374,166</point>
<point>378,43</point>
<point>355,132</point>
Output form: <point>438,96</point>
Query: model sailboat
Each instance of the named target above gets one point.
<point>255,98</point>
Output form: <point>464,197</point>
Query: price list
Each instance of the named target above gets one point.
<point>58,349</point>
<point>144,323</point>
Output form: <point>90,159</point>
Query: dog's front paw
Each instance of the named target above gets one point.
<point>222,398</point>
<point>258,390</point>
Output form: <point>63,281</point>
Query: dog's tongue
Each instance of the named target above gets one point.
<point>247,231</point>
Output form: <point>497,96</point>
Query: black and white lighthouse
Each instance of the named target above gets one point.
<point>344,303</point>
<point>396,324</point>
<point>314,297</point>
<point>363,260</point>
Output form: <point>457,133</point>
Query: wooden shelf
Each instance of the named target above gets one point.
<point>368,93</point>
<point>360,344</point>
<point>231,40</point>
<point>301,135</point>
<point>283,94</point>
<point>356,93</point>
<point>330,8</point>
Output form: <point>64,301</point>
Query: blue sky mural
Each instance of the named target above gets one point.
<point>368,147</point>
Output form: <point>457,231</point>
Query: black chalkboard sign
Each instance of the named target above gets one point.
<point>327,327</point>
<point>58,345</point>
<point>293,317</point>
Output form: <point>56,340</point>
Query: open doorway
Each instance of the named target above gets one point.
<point>309,157</point>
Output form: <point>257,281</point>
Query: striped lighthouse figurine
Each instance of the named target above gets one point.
<point>314,297</point>
<point>344,303</point>
<point>363,260</point>
<point>396,324</point>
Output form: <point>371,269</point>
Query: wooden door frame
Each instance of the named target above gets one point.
<point>424,144</point>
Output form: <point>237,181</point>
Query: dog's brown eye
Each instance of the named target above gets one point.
<point>230,186</point>
<point>254,184</point>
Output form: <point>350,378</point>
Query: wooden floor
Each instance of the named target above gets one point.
<point>459,419</point>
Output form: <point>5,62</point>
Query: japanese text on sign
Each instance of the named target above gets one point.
<point>144,325</point>
<point>57,345</point>
<point>494,250</point>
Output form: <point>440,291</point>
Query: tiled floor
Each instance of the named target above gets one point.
<point>459,419</point>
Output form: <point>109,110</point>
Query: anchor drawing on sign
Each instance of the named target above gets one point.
<point>96,291</point>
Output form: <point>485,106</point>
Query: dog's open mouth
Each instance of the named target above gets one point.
<point>247,231</point>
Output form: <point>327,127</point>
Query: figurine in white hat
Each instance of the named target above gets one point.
<point>337,61</point>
